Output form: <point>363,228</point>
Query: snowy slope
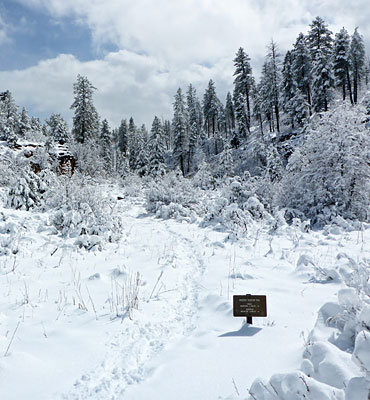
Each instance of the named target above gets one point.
<point>66,332</point>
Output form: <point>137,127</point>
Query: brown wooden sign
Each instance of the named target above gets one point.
<point>249,306</point>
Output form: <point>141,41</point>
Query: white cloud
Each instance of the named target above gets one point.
<point>166,44</point>
<point>128,85</point>
<point>4,31</point>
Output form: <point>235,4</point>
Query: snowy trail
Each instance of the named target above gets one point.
<point>183,341</point>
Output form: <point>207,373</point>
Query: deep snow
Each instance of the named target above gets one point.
<point>75,340</point>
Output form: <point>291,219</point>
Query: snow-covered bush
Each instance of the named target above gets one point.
<point>336,358</point>
<point>329,174</point>
<point>27,192</point>
<point>174,197</point>
<point>80,210</point>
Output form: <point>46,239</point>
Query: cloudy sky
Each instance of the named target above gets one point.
<point>138,52</point>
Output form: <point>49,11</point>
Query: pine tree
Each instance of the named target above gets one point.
<point>57,129</point>
<point>288,87</point>
<point>142,158</point>
<point>301,69</point>
<point>274,60</point>
<point>106,145</point>
<point>86,119</point>
<point>342,62</point>
<point>229,115</point>
<point>243,85</point>
<point>123,138</point>
<point>24,124</point>
<point>194,125</point>
<point>319,38</point>
<point>156,163</point>
<point>179,126</point>
<point>8,118</point>
<point>210,109</point>
<point>266,95</point>
<point>226,161</point>
<point>133,144</point>
<point>323,81</point>
<point>357,53</point>
<point>167,134</point>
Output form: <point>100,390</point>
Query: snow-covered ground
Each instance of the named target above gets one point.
<point>151,317</point>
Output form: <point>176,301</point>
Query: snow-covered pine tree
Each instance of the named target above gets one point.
<point>180,132</point>
<point>229,116</point>
<point>266,95</point>
<point>319,38</point>
<point>243,85</point>
<point>301,69</point>
<point>86,119</point>
<point>133,143</point>
<point>210,109</point>
<point>167,134</point>
<point>106,146</point>
<point>24,124</point>
<point>156,163</point>
<point>342,62</point>
<point>323,80</point>
<point>27,192</point>
<point>357,53</point>
<point>57,129</point>
<point>194,125</point>
<point>288,87</point>
<point>274,61</point>
<point>142,158</point>
<point>8,118</point>
<point>123,139</point>
<point>226,166</point>
<point>320,44</point>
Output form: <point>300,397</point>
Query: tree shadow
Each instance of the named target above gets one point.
<point>245,330</point>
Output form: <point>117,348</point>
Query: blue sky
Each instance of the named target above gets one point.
<point>137,53</point>
<point>35,36</point>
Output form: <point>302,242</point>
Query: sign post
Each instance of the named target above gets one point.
<point>249,306</point>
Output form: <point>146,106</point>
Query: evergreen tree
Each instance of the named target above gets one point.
<point>142,158</point>
<point>301,69</point>
<point>357,53</point>
<point>8,118</point>
<point>229,115</point>
<point>156,164</point>
<point>323,81</point>
<point>106,145</point>
<point>226,161</point>
<point>319,38</point>
<point>210,109</point>
<point>167,134</point>
<point>134,145</point>
<point>57,129</point>
<point>274,61</point>
<point>194,124</point>
<point>266,95</point>
<point>342,62</point>
<point>288,87</point>
<point>123,138</point>
<point>243,86</point>
<point>179,126</point>
<point>24,124</point>
<point>85,120</point>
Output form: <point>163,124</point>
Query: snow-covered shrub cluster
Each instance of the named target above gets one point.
<point>174,197</point>
<point>235,205</point>
<point>336,359</point>
<point>79,210</point>
<point>329,174</point>
<point>27,192</point>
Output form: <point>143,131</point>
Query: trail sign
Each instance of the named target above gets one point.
<point>249,306</point>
